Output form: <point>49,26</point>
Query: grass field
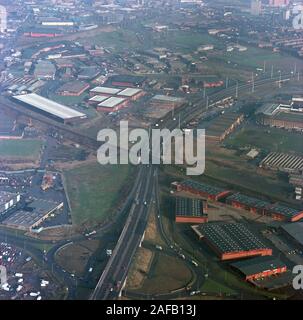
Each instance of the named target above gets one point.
<point>166,274</point>
<point>26,149</point>
<point>94,191</point>
<point>267,139</point>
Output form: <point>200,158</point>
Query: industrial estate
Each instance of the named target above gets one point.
<point>73,229</point>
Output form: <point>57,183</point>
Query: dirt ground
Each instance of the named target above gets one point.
<point>140,268</point>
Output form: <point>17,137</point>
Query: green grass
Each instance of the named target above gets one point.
<point>94,191</point>
<point>212,286</point>
<point>167,274</point>
<point>28,148</point>
<point>267,139</point>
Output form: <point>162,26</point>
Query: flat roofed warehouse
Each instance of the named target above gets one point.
<point>112,104</point>
<point>284,213</point>
<point>33,215</point>
<point>7,201</point>
<point>204,190</point>
<point>248,203</point>
<point>97,99</point>
<point>188,210</point>
<point>105,91</point>
<point>294,231</point>
<point>231,240</point>
<point>51,108</point>
<point>259,267</point>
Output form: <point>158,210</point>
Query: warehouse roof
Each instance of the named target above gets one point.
<point>73,86</point>
<point>49,106</point>
<point>202,187</point>
<point>98,98</point>
<point>249,201</point>
<point>6,197</point>
<point>230,237</point>
<point>32,214</point>
<point>129,92</point>
<point>285,211</point>
<point>188,207</point>
<point>295,230</point>
<point>257,265</point>
<point>111,102</point>
<point>105,90</point>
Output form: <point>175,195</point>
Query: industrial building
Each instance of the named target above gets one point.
<point>201,189</point>
<point>218,129</point>
<point>97,99</point>
<point>73,89</point>
<point>8,201</point>
<point>50,108</point>
<point>294,232</point>
<point>166,101</point>
<point>105,91</point>
<point>248,203</point>
<point>112,104</point>
<point>282,213</point>
<point>282,116</point>
<point>260,267</point>
<point>126,81</point>
<point>32,215</point>
<point>188,210</point>
<point>131,93</point>
<point>283,162</point>
<point>275,211</point>
<point>231,240</point>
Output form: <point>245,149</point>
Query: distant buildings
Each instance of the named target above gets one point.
<point>3,19</point>
<point>256,7</point>
<point>279,3</point>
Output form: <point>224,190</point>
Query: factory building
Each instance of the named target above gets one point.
<point>112,104</point>
<point>294,232</point>
<point>131,93</point>
<point>283,162</point>
<point>8,201</point>
<point>168,102</point>
<point>248,203</point>
<point>73,89</point>
<point>201,189</point>
<point>97,99</point>
<point>126,81</point>
<point>260,267</point>
<point>282,213</point>
<point>275,211</point>
<point>231,240</point>
<point>188,210</point>
<point>104,91</point>
<point>33,215</point>
<point>50,108</point>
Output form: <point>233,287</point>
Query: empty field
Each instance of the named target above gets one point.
<point>94,191</point>
<point>267,139</point>
<point>21,149</point>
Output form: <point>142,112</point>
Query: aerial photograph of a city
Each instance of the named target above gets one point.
<point>151,150</point>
